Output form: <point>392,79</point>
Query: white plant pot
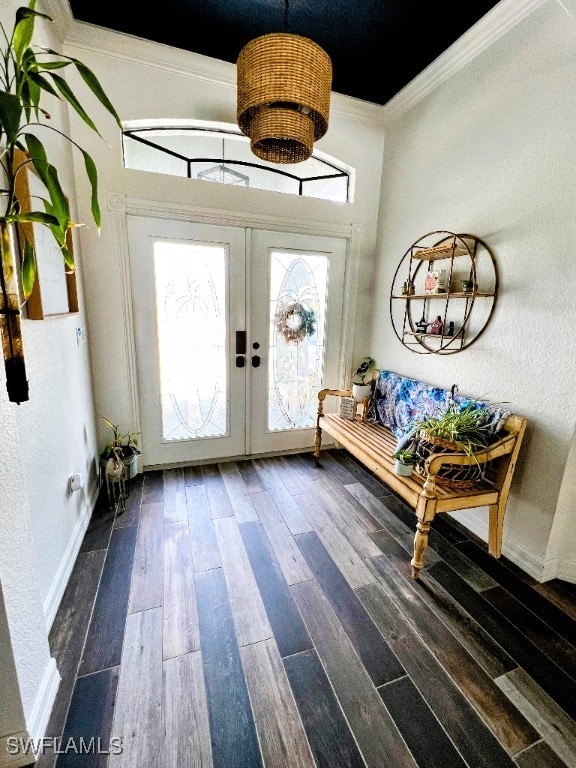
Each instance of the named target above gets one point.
<point>360,391</point>
<point>403,469</point>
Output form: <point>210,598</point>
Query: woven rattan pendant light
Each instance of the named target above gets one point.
<point>283,102</point>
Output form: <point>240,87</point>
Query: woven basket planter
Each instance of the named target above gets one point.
<point>452,475</point>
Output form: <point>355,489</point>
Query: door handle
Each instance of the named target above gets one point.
<point>240,349</point>
<point>255,361</point>
<point>240,342</point>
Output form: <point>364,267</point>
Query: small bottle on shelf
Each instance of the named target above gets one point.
<point>408,288</point>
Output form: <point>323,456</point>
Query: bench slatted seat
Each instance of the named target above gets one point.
<point>373,445</point>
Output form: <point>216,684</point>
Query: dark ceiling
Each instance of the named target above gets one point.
<point>376,46</point>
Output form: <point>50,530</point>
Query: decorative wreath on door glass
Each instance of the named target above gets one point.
<point>294,321</point>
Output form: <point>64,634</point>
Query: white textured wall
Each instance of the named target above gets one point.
<point>19,575</point>
<point>57,438</point>
<point>560,558</point>
<point>492,151</point>
<point>11,712</point>
<point>145,91</point>
<point>56,427</point>
<point>43,442</point>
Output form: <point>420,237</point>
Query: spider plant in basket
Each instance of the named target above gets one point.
<point>462,429</point>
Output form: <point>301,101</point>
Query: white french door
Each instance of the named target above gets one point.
<point>236,331</point>
<point>296,296</point>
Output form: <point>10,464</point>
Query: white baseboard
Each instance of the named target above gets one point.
<point>525,560</point>
<point>472,520</point>
<point>559,568</point>
<point>550,569</point>
<point>566,572</point>
<point>7,759</point>
<point>56,591</point>
<point>38,720</point>
<point>528,562</point>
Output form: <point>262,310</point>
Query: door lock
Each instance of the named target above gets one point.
<point>240,349</point>
<point>255,361</point>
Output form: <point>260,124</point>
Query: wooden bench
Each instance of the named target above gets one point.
<point>373,445</point>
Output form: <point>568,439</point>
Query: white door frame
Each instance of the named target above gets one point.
<point>119,206</point>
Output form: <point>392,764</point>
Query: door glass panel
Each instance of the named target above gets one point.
<point>190,281</point>
<point>298,294</point>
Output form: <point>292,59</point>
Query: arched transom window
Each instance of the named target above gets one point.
<point>218,152</point>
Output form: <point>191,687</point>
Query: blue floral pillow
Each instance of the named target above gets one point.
<point>398,400</point>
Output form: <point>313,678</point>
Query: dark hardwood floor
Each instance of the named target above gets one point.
<point>262,613</point>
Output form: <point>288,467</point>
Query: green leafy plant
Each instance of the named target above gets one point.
<point>128,441</point>
<point>465,428</point>
<point>29,73</point>
<point>366,366</point>
<point>404,456</point>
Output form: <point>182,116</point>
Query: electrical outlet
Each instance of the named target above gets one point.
<point>81,335</point>
<point>75,482</point>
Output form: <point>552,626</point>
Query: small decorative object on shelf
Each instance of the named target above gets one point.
<point>435,281</point>
<point>440,280</point>
<point>408,288</point>
<point>446,289</point>
<point>422,325</point>
<point>437,326</point>
<point>430,281</point>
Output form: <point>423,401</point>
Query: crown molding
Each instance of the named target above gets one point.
<point>496,23</point>
<point>119,45</point>
<point>89,37</point>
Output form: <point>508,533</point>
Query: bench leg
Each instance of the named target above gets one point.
<point>420,545</point>
<point>317,445</point>
<point>425,512</point>
<point>496,529</point>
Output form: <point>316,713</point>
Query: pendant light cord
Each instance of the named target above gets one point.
<point>286,7</point>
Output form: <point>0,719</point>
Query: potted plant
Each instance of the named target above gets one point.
<point>125,446</point>
<point>361,389</point>
<point>458,428</point>
<point>29,73</point>
<point>405,461</point>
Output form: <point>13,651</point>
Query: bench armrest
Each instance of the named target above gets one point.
<point>325,392</point>
<point>336,392</point>
<point>340,393</point>
<point>502,447</point>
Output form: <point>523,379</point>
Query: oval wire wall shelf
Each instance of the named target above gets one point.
<point>415,304</point>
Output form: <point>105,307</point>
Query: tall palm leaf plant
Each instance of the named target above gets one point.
<point>28,74</point>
